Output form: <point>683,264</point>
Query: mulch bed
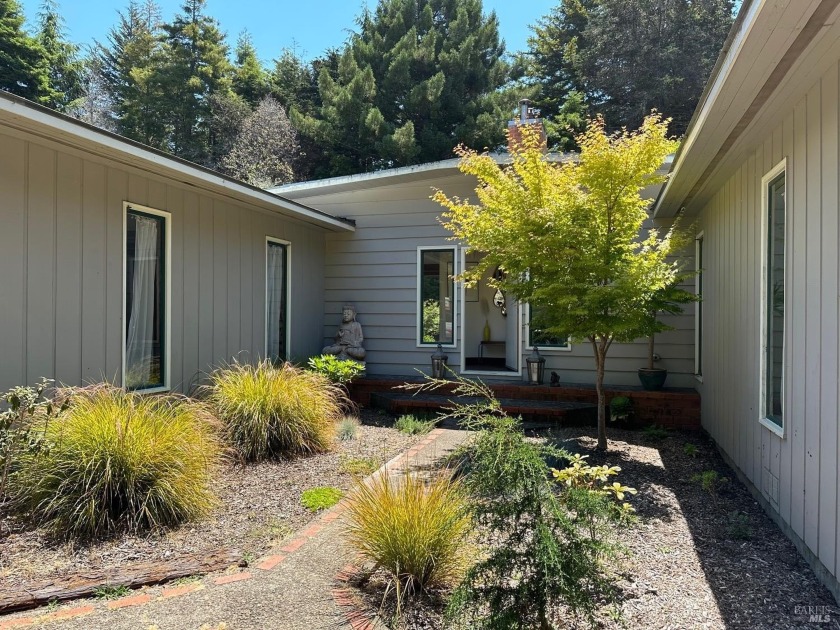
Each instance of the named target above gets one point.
<point>260,506</point>
<point>690,561</point>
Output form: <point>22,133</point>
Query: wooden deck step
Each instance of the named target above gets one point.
<point>544,411</point>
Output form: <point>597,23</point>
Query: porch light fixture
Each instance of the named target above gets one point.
<point>536,367</point>
<point>439,360</point>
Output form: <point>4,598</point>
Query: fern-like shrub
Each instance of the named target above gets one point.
<point>414,529</point>
<point>341,371</point>
<point>271,411</point>
<point>116,461</point>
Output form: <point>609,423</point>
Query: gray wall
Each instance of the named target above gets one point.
<point>796,474</point>
<point>376,268</point>
<point>61,256</point>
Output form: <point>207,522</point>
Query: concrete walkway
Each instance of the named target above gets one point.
<point>290,590</point>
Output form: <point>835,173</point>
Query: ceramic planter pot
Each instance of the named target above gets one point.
<point>652,380</point>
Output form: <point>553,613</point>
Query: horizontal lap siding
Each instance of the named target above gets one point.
<point>375,268</point>
<point>797,474</point>
<point>61,252</point>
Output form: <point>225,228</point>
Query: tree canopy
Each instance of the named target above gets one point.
<point>568,235</point>
<point>23,64</point>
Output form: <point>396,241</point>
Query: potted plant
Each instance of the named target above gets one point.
<point>669,300</point>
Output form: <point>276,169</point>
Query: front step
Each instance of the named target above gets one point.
<point>551,412</point>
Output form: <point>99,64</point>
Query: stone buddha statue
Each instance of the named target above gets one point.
<point>349,338</point>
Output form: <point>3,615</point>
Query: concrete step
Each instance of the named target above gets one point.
<point>550,412</point>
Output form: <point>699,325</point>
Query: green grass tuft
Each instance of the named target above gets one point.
<point>111,592</point>
<point>415,530</point>
<point>412,425</point>
<point>655,433</point>
<point>358,466</point>
<point>274,411</point>
<point>118,462</point>
<point>320,498</point>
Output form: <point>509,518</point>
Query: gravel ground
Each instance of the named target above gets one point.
<point>260,506</point>
<point>690,562</point>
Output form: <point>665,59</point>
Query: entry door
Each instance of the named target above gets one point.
<point>277,308</point>
<point>512,344</point>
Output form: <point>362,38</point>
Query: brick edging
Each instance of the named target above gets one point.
<point>349,602</point>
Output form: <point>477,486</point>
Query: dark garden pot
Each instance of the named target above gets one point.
<point>652,380</point>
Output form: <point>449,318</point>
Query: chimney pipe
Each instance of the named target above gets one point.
<point>524,106</point>
<point>528,116</point>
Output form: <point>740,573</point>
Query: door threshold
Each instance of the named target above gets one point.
<point>488,373</point>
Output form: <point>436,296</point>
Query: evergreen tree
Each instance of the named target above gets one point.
<point>622,58</point>
<point>412,84</point>
<point>196,66</point>
<point>62,58</point>
<point>23,67</point>
<point>129,66</point>
<point>250,80</point>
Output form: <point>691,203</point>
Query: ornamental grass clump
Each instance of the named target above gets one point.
<point>119,462</point>
<point>415,529</point>
<point>271,411</point>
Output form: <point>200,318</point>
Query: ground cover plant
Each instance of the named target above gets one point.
<point>320,498</point>
<point>341,371</point>
<point>271,411</point>
<point>347,429</point>
<point>118,461</point>
<point>413,425</point>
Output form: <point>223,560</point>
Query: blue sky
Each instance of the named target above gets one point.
<point>311,26</point>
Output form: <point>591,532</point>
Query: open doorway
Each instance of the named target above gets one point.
<point>490,327</point>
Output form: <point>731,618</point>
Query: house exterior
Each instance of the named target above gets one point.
<point>122,263</point>
<point>758,170</point>
<point>383,266</point>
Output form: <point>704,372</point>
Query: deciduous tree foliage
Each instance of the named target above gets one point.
<point>569,235</point>
<point>416,80</point>
<point>23,67</point>
<point>626,57</point>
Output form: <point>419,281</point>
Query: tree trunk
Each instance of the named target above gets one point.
<point>602,407</point>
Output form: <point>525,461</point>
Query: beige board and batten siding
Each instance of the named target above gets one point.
<point>797,474</point>
<point>375,268</point>
<point>61,256</point>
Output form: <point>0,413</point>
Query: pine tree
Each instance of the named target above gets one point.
<point>130,70</point>
<point>196,66</point>
<point>250,80</point>
<point>412,84</point>
<point>62,57</point>
<point>23,67</point>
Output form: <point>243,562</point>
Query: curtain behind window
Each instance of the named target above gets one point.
<point>142,358</point>
<point>276,296</point>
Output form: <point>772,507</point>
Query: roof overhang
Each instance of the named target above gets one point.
<point>774,53</point>
<point>30,118</point>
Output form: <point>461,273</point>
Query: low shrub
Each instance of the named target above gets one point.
<point>358,466</point>
<point>120,461</point>
<point>412,425</point>
<point>710,480</point>
<point>347,429</point>
<point>340,371</point>
<point>320,498</point>
<point>621,408</point>
<point>739,525</point>
<point>274,411</point>
<point>655,433</point>
<point>416,530</point>
<point>690,449</point>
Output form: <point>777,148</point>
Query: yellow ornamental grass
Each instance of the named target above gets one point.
<point>275,411</point>
<point>117,461</point>
<point>415,529</point>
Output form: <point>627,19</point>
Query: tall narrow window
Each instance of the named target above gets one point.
<point>698,323</point>
<point>276,275</point>
<point>436,308</point>
<point>774,302</point>
<point>146,295</point>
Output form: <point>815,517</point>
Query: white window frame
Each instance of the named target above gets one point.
<point>780,169</point>
<point>418,322</point>
<point>699,255</point>
<point>288,296</point>
<point>544,349</point>
<point>167,292</point>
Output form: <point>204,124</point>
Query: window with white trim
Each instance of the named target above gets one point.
<point>540,337</point>
<point>773,302</point>
<point>146,348</point>
<point>436,296</point>
<point>276,300</point>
